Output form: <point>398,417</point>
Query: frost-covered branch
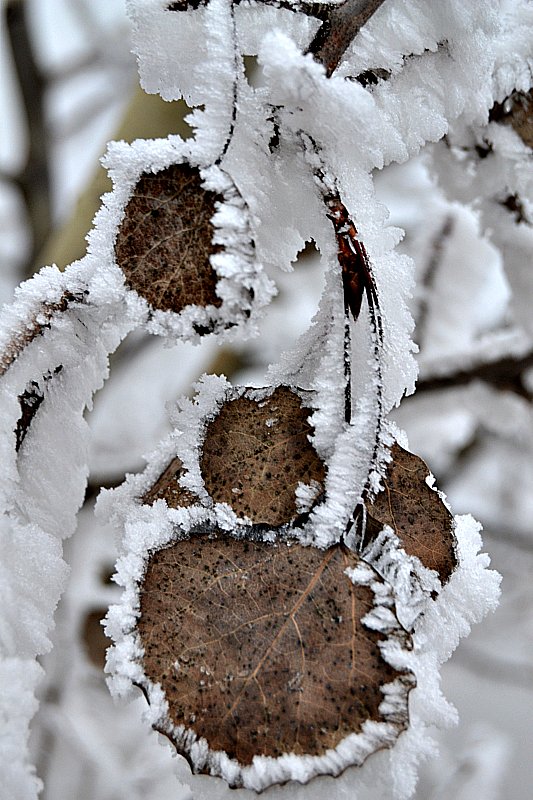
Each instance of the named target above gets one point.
<point>341,24</point>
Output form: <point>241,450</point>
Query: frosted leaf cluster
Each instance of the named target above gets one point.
<point>291,157</point>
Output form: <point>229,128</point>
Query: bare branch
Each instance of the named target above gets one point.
<point>430,274</point>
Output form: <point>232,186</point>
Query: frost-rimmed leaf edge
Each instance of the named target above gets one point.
<point>420,595</point>
<point>322,524</point>
<point>241,282</point>
<point>465,599</point>
<point>185,442</point>
<point>124,662</point>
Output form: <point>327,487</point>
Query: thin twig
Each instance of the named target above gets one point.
<point>430,275</point>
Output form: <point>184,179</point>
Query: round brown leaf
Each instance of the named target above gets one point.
<point>415,512</point>
<point>256,452</point>
<point>166,238</point>
<point>260,648</point>
<point>167,487</point>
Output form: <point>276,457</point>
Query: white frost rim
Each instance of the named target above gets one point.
<point>124,662</point>
<point>242,285</point>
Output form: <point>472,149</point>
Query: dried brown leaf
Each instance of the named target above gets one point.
<point>260,648</point>
<point>415,512</point>
<point>166,238</point>
<point>167,487</point>
<point>517,111</point>
<point>256,452</point>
